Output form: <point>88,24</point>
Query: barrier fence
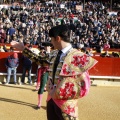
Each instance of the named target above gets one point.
<point>104,67</point>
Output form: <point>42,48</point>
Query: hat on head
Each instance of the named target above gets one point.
<point>58,30</point>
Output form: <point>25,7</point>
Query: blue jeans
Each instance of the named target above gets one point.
<point>26,68</point>
<point>9,71</point>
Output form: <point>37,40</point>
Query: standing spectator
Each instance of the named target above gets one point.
<point>27,67</point>
<point>12,63</point>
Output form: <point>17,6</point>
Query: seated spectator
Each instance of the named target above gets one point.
<point>80,45</point>
<point>1,49</point>
<point>5,48</point>
<point>83,49</point>
<point>106,46</point>
<point>35,41</point>
<point>11,49</point>
<point>99,47</point>
<point>105,54</point>
<point>11,64</point>
<point>11,30</point>
<point>115,54</point>
<point>90,52</point>
<point>10,33</point>
<point>2,34</point>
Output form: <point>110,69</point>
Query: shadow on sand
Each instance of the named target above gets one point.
<point>16,86</point>
<point>21,103</point>
<point>17,102</point>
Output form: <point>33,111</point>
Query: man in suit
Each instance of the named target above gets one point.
<point>68,78</point>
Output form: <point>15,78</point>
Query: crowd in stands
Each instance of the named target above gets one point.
<point>92,27</point>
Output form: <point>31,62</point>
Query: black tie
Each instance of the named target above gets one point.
<point>56,63</point>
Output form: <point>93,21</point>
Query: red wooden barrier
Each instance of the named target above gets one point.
<point>106,67</point>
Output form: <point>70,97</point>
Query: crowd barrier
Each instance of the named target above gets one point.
<point>106,72</point>
<point>106,68</point>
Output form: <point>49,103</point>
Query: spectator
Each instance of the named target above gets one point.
<point>93,25</point>
<point>5,48</point>
<point>2,34</point>
<point>35,41</point>
<point>90,52</point>
<point>1,49</point>
<point>99,47</point>
<point>27,68</point>
<point>11,64</point>
<point>11,49</point>
<point>105,54</point>
<point>114,54</point>
<point>106,46</point>
<point>11,31</point>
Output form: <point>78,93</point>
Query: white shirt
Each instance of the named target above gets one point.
<point>65,50</point>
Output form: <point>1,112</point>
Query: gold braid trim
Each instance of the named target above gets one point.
<point>40,60</point>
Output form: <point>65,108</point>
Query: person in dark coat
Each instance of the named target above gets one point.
<point>27,67</point>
